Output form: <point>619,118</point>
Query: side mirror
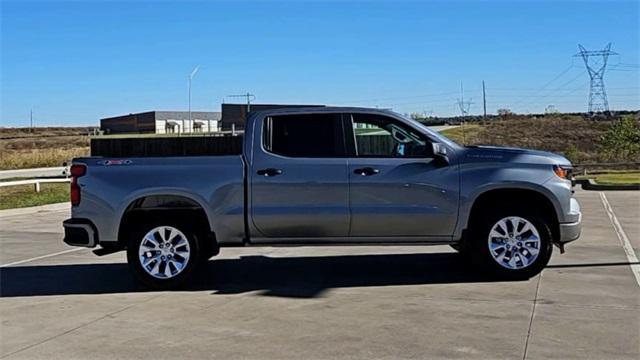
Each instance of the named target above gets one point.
<point>440,153</point>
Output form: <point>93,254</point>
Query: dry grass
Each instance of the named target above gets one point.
<point>20,149</point>
<point>572,136</point>
<point>10,133</point>
<point>25,159</point>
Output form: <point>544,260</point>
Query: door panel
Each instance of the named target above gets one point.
<point>309,199</point>
<point>303,190</point>
<point>406,197</point>
<point>396,187</point>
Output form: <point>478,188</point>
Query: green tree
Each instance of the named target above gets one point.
<point>504,112</point>
<point>622,140</point>
<point>572,153</point>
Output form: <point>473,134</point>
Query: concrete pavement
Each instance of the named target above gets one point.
<point>322,302</point>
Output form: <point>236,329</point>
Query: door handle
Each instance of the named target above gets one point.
<point>269,172</point>
<point>367,171</point>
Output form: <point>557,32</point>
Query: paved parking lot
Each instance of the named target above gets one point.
<point>324,302</point>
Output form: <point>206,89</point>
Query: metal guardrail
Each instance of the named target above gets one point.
<point>35,182</point>
<point>637,164</point>
<point>35,173</point>
<point>595,168</point>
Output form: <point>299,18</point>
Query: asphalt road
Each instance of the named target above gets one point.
<point>323,302</point>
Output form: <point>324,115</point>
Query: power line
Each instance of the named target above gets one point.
<point>397,98</point>
<point>543,87</point>
<point>525,103</point>
<point>248,96</point>
<point>510,90</point>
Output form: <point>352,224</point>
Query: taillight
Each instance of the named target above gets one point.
<point>74,191</point>
<point>78,170</point>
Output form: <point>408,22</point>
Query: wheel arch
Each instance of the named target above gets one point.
<point>174,204</point>
<point>544,202</point>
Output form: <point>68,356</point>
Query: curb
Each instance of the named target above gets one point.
<point>589,184</point>
<point>35,209</point>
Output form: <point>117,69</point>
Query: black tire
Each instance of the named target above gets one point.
<point>208,247</point>
<point>146,278</point>
<point>479,244</point>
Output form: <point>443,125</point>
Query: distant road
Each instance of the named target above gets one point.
<point>437,128</point>
<point>31,173</point>
<point>440,128</point>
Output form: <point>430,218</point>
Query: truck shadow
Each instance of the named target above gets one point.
<point>296,277</point>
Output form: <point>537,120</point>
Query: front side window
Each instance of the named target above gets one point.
<point>380,136</point>
<point>304,135</point>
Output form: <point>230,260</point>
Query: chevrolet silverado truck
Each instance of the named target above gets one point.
<point>326,176</point>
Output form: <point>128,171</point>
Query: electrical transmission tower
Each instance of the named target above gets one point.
<point>462,104</point>
<point>464,110</point>
<point>598,104</point>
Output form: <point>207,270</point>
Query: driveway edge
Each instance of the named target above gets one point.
<point>34,209</point>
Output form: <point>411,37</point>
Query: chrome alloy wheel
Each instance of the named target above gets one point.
<point>514,242</point>
<point>164,252</point>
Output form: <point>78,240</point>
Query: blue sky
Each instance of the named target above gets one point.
<point>75,62</point>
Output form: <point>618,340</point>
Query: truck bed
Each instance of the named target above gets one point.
<point>161,146</point>
<point>216,183</point>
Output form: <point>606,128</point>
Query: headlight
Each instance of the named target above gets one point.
<point>563,172</point>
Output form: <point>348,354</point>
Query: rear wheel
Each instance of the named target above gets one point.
<point>512,243</point>
<point>163,255</point>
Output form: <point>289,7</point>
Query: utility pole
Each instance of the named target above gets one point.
<point>598,103</point>
<point>31,120</point>
<point>249,97</point>
<point>484,102</point>
<point>193,73</point>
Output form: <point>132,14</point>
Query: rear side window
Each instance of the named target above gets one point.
<point>313,135</point>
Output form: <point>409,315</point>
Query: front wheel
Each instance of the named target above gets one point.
<point>163,255</point>
<point>512,244</point>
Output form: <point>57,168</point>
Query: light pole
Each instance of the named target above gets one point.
<point>193,73</point>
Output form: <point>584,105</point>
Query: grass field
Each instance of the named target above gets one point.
<point>466,134</point>
<point>574,137</point>
<point>615,178</point>
<point>44,147</point>
<point>24,195</point>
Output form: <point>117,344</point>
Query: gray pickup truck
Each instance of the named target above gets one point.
<point>323,176</point>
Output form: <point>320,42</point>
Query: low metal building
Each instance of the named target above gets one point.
<point>234,116</point>
<point>162,122</point>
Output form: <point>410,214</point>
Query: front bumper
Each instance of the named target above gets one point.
<point>571,231</point>
<point>80,232</point>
